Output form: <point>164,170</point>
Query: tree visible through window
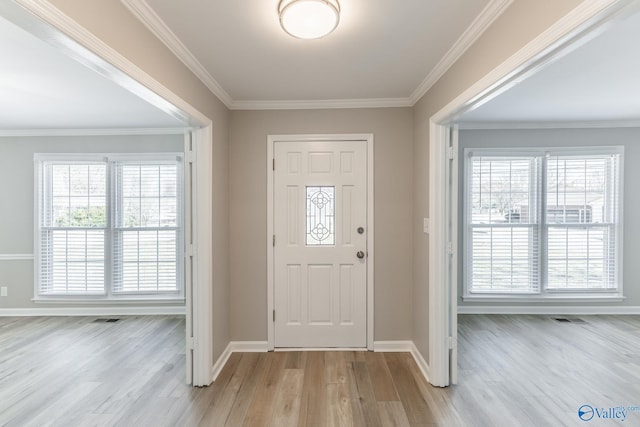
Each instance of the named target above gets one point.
<point>109,226</point>
<point>542,221</point>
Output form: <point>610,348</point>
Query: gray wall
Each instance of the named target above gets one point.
<point>393,135</point>
<point>522,22</point>
<point>17,195</point>
<point>113,24</point>
<point>627,137</point>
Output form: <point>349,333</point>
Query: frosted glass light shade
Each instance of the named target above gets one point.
<point>309,19</point>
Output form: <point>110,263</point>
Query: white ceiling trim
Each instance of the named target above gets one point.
<point>532,55</point>
<point>91,132</point>
<point>322,104</point>
<point>483,21</point>
<point>144,12</point>
<point>146,15</point>
<point>93,52</point>
<point>597,124</point>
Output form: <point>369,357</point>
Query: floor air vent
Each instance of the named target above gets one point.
<point>105,320</point>
<point>567,320</point>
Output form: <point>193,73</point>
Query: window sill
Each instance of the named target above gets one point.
<point>585,298</point>
<point>98,300</point>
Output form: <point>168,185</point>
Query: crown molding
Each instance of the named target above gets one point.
<point>321,104</point>
<point>90,132</point>
<point>146,15</point>
<point>87,48</point>
<point>598,124</point>
<point>531,57</point>
<point>489,14</point>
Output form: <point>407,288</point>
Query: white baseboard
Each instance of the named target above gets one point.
<point>16,257</point>
<point>422,364</point>
<point>392,346</point>
<point>557,310</point>
<point>248,346</point>
<point>93,311</point>
<point>404,346</point>
<point>237,347</point>
<point>222,360</point>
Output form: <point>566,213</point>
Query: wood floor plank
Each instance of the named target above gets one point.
<point>261,408</point>
<point>438,399</point>
<point>59,406</point>
<point>296,360</point>
<point>199,399</point>
<point>357,410</point>
<point>360,356</point>
<point>336,367</point>
<point>339,408</point>
<point>286,408</point>
<point>203,398</point>
<point>525,371</point>
<point>313,404</point>
<point>392,414</point>
<point>381,379</point>
<point>246,393</point>
<point>218,412</point>
<point>363,398</point>
<point>412,400</point>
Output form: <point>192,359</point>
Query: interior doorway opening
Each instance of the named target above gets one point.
<point>444,159</point>
<point>44,23</point>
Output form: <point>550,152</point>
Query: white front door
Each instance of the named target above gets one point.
<point>320,260</point>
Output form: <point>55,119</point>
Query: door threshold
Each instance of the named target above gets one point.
<point>320,349</point>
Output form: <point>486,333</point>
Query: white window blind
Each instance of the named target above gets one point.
<point>582,217</point>
<point>147,227</point>
<point>503,250</point>
<point>109,225</point>
<point>542,222</point>
<point>72,228</point>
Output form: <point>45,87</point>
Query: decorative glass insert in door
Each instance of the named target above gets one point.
<point>320,216</point>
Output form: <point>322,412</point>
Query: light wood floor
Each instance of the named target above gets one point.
<point>514,371</point>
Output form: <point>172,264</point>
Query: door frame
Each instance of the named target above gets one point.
<point>72,39</point>
<point>443,247</point>
<point>271,140</point>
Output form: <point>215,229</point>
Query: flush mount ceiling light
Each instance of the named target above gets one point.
<point>309,19</point>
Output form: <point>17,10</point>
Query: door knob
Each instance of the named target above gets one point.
<point>360,254</point>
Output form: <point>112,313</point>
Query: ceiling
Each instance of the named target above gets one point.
<point>382,55</point>
<point>381,51</point>
<point>597,81</point>
<point>42,88</point>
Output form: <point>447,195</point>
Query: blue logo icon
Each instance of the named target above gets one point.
<point>586,412</point>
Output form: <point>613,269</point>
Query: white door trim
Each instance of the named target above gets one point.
<point>187,179</point>
<point>271,140</point>
<point>453,265</point>
<point>202,256</point>
<point>438,257</point>
<point>586,17</point>
<point>73,39</point>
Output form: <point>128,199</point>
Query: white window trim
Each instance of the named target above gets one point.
<point>167,297</point>
<point>545,294</point>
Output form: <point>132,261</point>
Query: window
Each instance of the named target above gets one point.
<point>320,216</point>
<point>543,223</point>
<point>109,226</point>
